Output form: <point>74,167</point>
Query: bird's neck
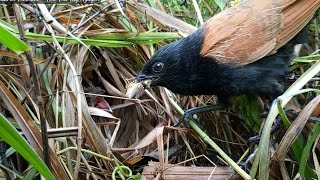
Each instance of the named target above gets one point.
<point>195,71</point>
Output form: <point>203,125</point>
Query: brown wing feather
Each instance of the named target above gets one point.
<point>254,29</point>
<point>297,15</point>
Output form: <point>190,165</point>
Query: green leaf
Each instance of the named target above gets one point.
<point>11,136</point>
<point>304,168</point>
<point>264,144</point>
<point>110,40</point>
<point>11,41</point>
<point>250,109</point>
<point>31,174</point>
<point>149,36</point>
<point>222,4</point>
<point>9,26</point>
<point>94,42</point>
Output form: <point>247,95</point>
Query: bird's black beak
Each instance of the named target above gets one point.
<point>141,77</point>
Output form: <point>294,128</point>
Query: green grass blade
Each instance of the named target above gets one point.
<point>149,36</point>
<point>8,26</point>
<point>31,174</point>
<point>18,176</point>
<point>222,4</point>
<point>301,154</point>
<point>264,144</point>
<point>250,110</point>
<point>303,167</point>
<point>11,41</point>
<point>110,40</point>
<point>11,136</point>
<point>94,42</point>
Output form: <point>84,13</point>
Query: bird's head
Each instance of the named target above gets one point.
<point>164,66</point>
<point>174,66</point>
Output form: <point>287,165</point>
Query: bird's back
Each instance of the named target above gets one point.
<point>254,29</point>
<point>245,49</point>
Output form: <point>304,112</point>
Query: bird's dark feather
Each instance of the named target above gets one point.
<point>206,76</point>
<point>187,71</point>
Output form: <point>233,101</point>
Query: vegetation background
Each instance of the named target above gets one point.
<point>66,88</point>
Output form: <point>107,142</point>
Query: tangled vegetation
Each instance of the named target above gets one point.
<point>64,78</point>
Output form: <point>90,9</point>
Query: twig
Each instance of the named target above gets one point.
<point>38,100</point>
<point>225,157</point>
<point>209,141</point>
<point>44,9</point>
<point>91,17</point>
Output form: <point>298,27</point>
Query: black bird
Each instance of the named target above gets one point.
<point>245,49</point>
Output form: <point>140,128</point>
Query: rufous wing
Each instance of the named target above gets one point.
<point>253,29</point>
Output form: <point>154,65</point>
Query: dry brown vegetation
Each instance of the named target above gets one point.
<point>76,82</point>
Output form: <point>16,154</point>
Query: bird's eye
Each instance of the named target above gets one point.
<point>157,67</point>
